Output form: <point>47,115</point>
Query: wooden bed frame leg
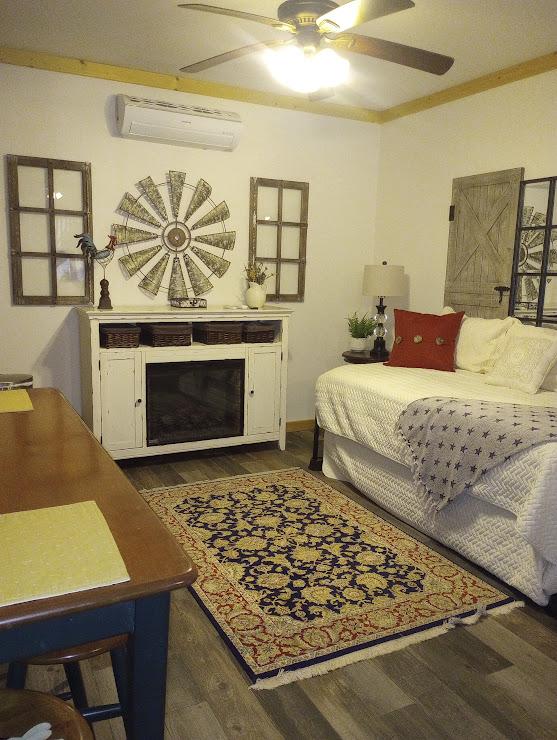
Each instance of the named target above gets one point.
<point>552,606</point>
<point>316,462</point>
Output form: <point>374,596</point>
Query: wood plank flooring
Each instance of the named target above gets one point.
<point>495,679</point>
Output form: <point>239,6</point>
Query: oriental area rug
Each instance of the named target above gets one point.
<point>299,579</point>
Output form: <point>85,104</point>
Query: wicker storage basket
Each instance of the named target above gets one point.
<point>218,332</point>
<point>166,335</point>
<point>259,332</point>
<point>119,335</point>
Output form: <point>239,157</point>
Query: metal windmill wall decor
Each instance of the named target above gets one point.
<point>531,256</point>
<point>162,233</point>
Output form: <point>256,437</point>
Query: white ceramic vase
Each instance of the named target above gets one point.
<point>358,344</point>
<point>255,295</point>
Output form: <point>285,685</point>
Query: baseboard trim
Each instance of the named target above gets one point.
<point>302,425</point>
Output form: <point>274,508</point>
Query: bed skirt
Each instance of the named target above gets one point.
<point>478,530</point>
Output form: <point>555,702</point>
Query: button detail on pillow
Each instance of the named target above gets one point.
<point>432,340</point>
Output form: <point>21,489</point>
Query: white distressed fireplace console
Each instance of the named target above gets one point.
<point>114,381</point>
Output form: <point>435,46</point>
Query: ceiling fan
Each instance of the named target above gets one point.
<point>320,24</point>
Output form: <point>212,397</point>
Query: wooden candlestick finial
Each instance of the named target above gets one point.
<point>104,300</point>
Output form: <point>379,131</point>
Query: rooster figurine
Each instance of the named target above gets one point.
<point>102,257</point>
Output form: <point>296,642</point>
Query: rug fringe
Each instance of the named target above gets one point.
<point>482,611</point>
<point>216,480</point>
<point>319,669</point>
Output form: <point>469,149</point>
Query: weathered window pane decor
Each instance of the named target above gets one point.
<point>278,235</point>
<point>49,202</point>
<point>534,284</point>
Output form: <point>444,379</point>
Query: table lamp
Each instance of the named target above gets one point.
<point>382,280</point>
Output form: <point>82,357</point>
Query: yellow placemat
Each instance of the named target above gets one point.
<point>57,550</point>
<point>17,400</point>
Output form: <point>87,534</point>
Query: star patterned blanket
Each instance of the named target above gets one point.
<point>453,442</point>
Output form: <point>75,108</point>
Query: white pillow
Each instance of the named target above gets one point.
<point>550,382</point>
<point>480,341</point>
<point>526,358</point>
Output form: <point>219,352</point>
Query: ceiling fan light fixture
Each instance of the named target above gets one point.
<point>307,71</point>
<point>333,69</point>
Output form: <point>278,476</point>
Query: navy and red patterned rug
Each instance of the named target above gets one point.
<point>299,579</point>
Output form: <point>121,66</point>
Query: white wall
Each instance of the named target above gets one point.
<point>511,126</point>
<point>48,114</point>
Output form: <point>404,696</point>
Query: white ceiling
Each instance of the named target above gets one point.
<point>482,35</point>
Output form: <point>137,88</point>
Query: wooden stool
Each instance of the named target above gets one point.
<point>21,710</point>
<point>70,658</point>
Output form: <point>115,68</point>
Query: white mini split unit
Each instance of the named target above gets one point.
<point>171,123</point>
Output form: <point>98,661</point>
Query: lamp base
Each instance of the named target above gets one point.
<point>379,351</point>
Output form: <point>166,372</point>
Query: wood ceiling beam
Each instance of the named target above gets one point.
<point>480,84</point>
<point>85,68</point>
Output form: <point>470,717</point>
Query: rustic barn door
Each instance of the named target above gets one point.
<point>481,242</point>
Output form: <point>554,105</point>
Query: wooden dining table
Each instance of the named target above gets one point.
<point>48,457</point>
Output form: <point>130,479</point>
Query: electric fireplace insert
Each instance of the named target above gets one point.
<point>190,401</point>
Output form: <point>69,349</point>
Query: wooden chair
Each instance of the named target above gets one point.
<point>70,658</point>
<point>21,710</point>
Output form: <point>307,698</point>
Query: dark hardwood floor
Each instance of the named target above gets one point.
<point>495,679</point>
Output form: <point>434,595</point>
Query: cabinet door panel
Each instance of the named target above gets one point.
<point>121,401</point>
<point>263,390</point>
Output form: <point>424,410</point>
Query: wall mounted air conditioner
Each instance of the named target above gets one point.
<point>171,123</point>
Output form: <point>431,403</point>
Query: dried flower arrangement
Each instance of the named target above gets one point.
<point>257,273</point>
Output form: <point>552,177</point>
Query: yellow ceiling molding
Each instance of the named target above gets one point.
<point>68,65</point>
<point>84,68</point>
<point>480,84</point>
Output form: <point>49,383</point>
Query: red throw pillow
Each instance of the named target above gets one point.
<point>425,340</point>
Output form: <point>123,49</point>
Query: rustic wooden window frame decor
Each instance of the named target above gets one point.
<point>274,263</point>
<point>52,254</point>
<point>544,272</point>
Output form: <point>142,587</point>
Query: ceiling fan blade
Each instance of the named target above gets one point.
<point>239,14</point>
<point>234,54</point>
<point>409,56</point>
<point>360,11</point>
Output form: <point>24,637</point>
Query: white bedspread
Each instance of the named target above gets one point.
<point>363,403</point>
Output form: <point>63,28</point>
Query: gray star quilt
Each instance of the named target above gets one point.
<point>453,442</point>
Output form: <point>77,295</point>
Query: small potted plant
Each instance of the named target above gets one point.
<point>256,275</point>
<point>360,329</point>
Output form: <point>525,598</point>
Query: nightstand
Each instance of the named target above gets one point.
<point>360,358</point>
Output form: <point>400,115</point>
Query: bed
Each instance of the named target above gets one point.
<point>506,523</point>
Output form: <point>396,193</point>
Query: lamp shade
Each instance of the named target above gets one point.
<point>383,280</point>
